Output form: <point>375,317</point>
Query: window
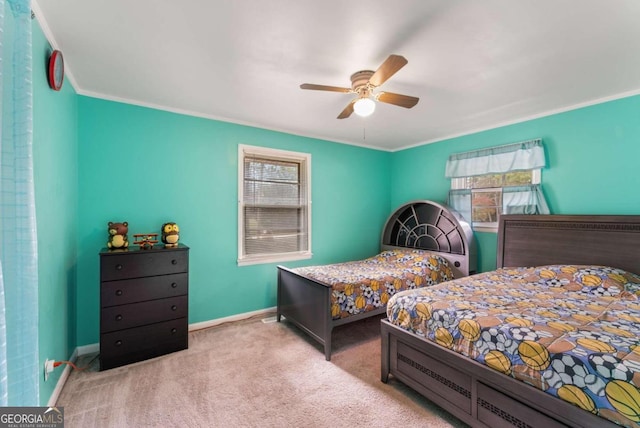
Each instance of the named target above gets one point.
<point>499,180</point>
<point>493,194</point>
<point>274,205</point>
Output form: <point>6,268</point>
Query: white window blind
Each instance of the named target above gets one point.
<point>274,205</point>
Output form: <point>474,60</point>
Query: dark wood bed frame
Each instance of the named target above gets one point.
<point>420,224</point>
<point>483,397</point>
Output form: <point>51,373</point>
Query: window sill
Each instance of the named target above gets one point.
<point>485,229</point>
<point>275,258</point>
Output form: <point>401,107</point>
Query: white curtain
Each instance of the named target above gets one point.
<point>19,367</point>
<point>524,200</point>
<point>521,156</point>
<point>460,200</point>
<point>525,155</point>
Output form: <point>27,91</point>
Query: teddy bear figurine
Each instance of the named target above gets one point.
<point>170,235</point>
<point>118,235</point>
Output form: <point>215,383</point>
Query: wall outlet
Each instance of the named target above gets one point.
<point>48,368</point>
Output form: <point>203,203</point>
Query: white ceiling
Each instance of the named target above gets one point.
<point>473,64</point>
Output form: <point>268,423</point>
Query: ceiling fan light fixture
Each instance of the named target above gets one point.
<point>364,83</point>
<point>364,107</point>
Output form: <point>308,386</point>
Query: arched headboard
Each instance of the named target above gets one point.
<point>427,225</point>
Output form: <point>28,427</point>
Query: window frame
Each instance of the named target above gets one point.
<point>459,183</point>
<point>304,159</point>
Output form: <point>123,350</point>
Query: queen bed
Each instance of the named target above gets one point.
<point>422,243</point>
<point>549,339</point>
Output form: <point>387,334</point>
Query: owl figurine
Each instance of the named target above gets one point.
<point>170,235</point>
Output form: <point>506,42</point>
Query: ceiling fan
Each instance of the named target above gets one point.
<point>364,83</point>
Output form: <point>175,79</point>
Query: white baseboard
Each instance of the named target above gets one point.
<point>88,349</point>
<point>95,347</point>
<point>238,317</point>
<point>62,380</point>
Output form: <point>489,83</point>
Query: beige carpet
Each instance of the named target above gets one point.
<point>252,374</point>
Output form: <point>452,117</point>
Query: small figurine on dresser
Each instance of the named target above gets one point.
<point>145,240</point>
<point>118,235</point>
<point>170,235</point>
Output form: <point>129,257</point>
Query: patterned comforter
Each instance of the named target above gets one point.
<point>571,331</point>
<point>368,284</point>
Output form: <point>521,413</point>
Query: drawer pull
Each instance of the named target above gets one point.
<point>174,285</point>
<point>174,307</point>
<point>118,292</point>
<point>118,317</point>
<point>118,342</point>
<point>174,262</point>
<point>174,330</point>
<point>118,267</point>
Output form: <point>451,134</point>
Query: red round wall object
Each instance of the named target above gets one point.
<point>56,70</point>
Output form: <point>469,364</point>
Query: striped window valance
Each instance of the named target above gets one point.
<point>525,155</point>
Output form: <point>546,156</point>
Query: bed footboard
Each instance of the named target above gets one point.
<point>478,395</point>
<point>307,304</point>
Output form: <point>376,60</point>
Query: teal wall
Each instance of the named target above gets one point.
<point>97,161</point>
<point>55,160</point>
<point>147,166</point>
<point>592,156</point>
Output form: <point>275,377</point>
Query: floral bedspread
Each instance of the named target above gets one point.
<point>368,284</point>
<point>571,331</point>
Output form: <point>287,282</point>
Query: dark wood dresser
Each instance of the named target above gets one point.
<point>144,303</point>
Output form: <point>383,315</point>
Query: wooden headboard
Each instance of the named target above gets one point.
<point>427,225</point>
<point>537,240</point>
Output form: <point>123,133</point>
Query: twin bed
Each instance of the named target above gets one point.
<point>423,243</point>
<point>550,339</point>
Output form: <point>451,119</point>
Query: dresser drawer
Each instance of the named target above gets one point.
<point>135,344</point>
<point>114,293</point>
<point>143,263</point>
<point>143,313</point>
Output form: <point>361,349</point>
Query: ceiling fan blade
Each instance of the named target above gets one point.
<point>397,99</point>
<point>388,68</point>
<point>324,88</point>
<point>347,111</point>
